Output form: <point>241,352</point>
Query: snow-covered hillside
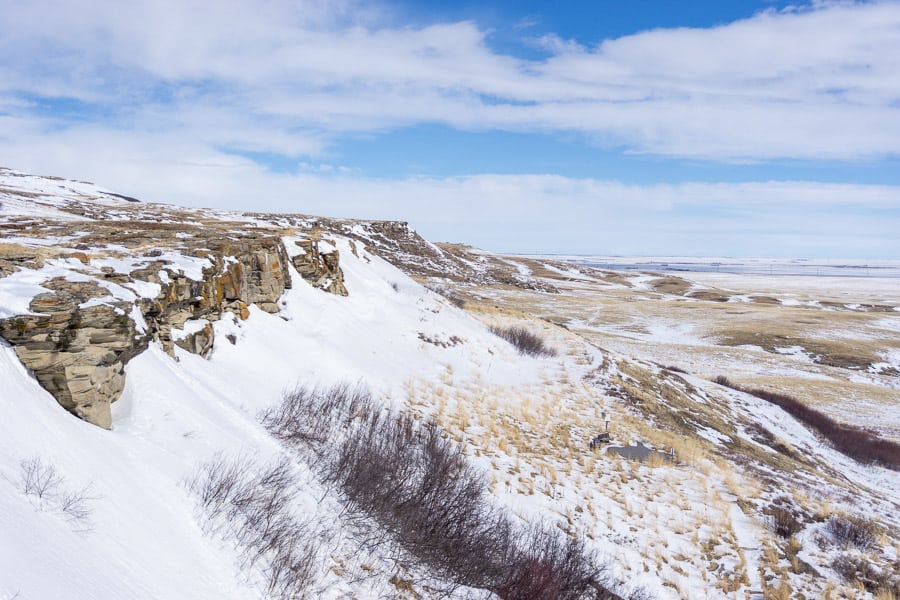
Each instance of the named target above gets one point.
<point>111,513</point>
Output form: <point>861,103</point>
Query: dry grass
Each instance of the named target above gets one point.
<point>670,285</point>
<point>545,433</point>
<point>857,354</point>
<point>11,250</point>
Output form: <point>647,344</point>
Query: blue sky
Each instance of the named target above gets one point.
<point>735,128</point>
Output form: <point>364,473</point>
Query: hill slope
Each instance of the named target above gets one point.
<point>208,319</point>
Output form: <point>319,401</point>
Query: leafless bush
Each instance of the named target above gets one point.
<point>38,478</point>
<point>43,481</point>
<point>310,418</point>
<point>75,505</point>
<point>420,489</point>
<point>524,341</point>
<point>215,483</point>
<point>640,593</point>
<point>875,579</point>
<point>428,501</point>
<point>857,443</point>
<point>852,531</point>
<point>550,566</point>
<point>255,505</point>
<point>782,518</point>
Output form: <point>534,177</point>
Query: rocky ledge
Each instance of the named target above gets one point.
<point>113,287</point>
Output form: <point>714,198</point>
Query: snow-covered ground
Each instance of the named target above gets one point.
<point>142,538</point>
<point>115,517</point>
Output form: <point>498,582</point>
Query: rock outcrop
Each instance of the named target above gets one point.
<point>321,269</point>
<point>81,336</point>
<point>77,349</point>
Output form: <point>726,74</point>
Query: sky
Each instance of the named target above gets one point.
<point>706,128</point>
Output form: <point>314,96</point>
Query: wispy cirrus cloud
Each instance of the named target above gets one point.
<point>822,82</point>
<point>184,101</point>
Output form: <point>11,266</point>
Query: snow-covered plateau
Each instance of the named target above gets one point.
<point>206,404</point>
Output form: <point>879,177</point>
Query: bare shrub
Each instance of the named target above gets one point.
<point>215,483</point>
<point>782,518</point>
<point>784,523</point>
<point>255,505</point>
<point>41,480</point>
<point>312,417</point>
<point>852,531</point>
<point>524,341</point>
<point>550,566</point>
<point>419,487</point>
<point>429,503</point>
<point>857,443</point>
<point>75,505</point>
<point>873,578</point>
<point>38,478</point>
<point>640,593</point>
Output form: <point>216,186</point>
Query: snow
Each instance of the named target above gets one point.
<point>19,289</point>
<point>144,289</point>
<point>189,266</point>
<point>145,537</point>
<point>795,351</point>
<point>144,540</point>
<point>191,326</point>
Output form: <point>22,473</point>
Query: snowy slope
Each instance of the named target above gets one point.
<point>143,539</point>
<point>118,519</point>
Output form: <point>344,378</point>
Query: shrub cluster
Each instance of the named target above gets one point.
<point>881,582</point>
<point>852,531</point>
<point>857,443</point>
<point>255,505</point>
<point>784,522</point>
<point>42,481</point>
<point>525,342</point>
<point>430,503</point>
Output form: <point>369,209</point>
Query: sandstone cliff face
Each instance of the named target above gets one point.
<point>82,335</point>
<point>253,271</point>
<point>321,269</point>
<point>77,351</point>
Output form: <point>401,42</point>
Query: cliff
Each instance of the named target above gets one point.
<point>113,275</point>
<point>109,274</point>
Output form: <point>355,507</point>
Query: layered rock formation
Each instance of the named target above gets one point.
<point>150,272</point>
<point>321,269</point>
<point>77,349</point>
<point>86,328</point>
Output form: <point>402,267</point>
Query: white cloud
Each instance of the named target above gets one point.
<point>176,92</point>
<point>523,213</point>
<point>817,83</point>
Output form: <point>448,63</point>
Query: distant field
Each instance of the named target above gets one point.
<point>756,266</point>
<point>832,341</point>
